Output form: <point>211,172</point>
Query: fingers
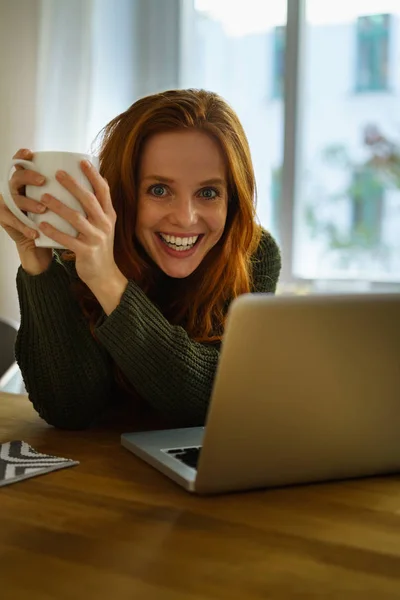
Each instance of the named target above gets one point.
<point>25,154</point>
<point>20,179</point>
<point>66,241</point>
<point>7,219</point>
<point>24,177</point>
<point>75,218</point>
<point>17,187</point>
<point>16,224</point>
<point>28,204</point>
<point>89,201</point>
<point>100,186</point>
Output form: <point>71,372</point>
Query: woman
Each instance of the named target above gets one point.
<point>139,300</point>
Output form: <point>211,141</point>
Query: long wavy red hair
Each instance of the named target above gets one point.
<point>225,272</point>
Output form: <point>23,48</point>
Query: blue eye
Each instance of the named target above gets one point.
<point>208,193</point>
<point>158,190</point>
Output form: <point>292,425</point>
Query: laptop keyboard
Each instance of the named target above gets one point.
<point>189,456</point>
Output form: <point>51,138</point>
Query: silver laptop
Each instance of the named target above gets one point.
<point>307,389</point>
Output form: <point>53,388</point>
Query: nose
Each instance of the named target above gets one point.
<point>183,212</point>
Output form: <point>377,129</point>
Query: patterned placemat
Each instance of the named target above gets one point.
<point>18,461</point>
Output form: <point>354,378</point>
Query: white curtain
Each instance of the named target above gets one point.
<point>95,58</point>
<point>64,74</point>
<point>19,22</point>
<point>66,68</point>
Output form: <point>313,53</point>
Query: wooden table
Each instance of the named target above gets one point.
<point>113,527</point>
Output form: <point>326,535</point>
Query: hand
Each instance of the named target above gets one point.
<point>94,245</point>
<point>34,260</point>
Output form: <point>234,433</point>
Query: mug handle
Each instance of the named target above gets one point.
<point>9,200</point>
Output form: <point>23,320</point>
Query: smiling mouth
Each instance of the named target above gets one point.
<point>180,244</point>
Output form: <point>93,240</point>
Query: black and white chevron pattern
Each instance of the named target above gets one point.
<point>18,460</point>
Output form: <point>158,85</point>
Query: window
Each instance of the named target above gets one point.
<point>346,201</point>
<point>278,57</point>
<point>372,53</point>
<point>367,195</point>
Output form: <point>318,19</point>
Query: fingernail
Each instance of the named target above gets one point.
<point>40,179</point>
<point>41,208</point>
<point>26,152</point>
<point>61,174</point>
<point>45,199</point>
<point>34,234</point>
<point>87,163</point>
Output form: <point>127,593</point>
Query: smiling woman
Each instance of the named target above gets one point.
<point>181,216</point>
<point>137,304</point>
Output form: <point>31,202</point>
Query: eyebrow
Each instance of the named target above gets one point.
<point>161,179</point>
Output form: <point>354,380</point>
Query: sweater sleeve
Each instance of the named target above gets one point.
<point>172,372</point>
<point>267,263</point>
<point>67,374</point>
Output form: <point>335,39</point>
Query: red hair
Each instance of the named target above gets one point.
<point>225,272</point>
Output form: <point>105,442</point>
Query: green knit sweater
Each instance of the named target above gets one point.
<point>69,375</point>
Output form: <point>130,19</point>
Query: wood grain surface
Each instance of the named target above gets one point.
<point>113,527</point>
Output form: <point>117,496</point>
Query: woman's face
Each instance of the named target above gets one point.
<point>182,200</point>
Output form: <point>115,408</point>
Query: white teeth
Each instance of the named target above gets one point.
<point>179,243</point>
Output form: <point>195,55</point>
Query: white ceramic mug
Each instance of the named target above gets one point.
<point>48,163</point>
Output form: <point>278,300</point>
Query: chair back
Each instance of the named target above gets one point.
<point>8,334</point>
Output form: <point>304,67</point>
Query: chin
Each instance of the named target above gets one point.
<point>177,273</point>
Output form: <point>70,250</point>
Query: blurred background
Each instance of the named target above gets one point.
<point>316,85</point>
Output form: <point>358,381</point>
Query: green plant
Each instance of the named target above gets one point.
<point>385,155</point>
<point>363,195</point>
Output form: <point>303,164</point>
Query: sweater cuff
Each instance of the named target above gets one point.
<point>47,295</point>
<point>114,330</point>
